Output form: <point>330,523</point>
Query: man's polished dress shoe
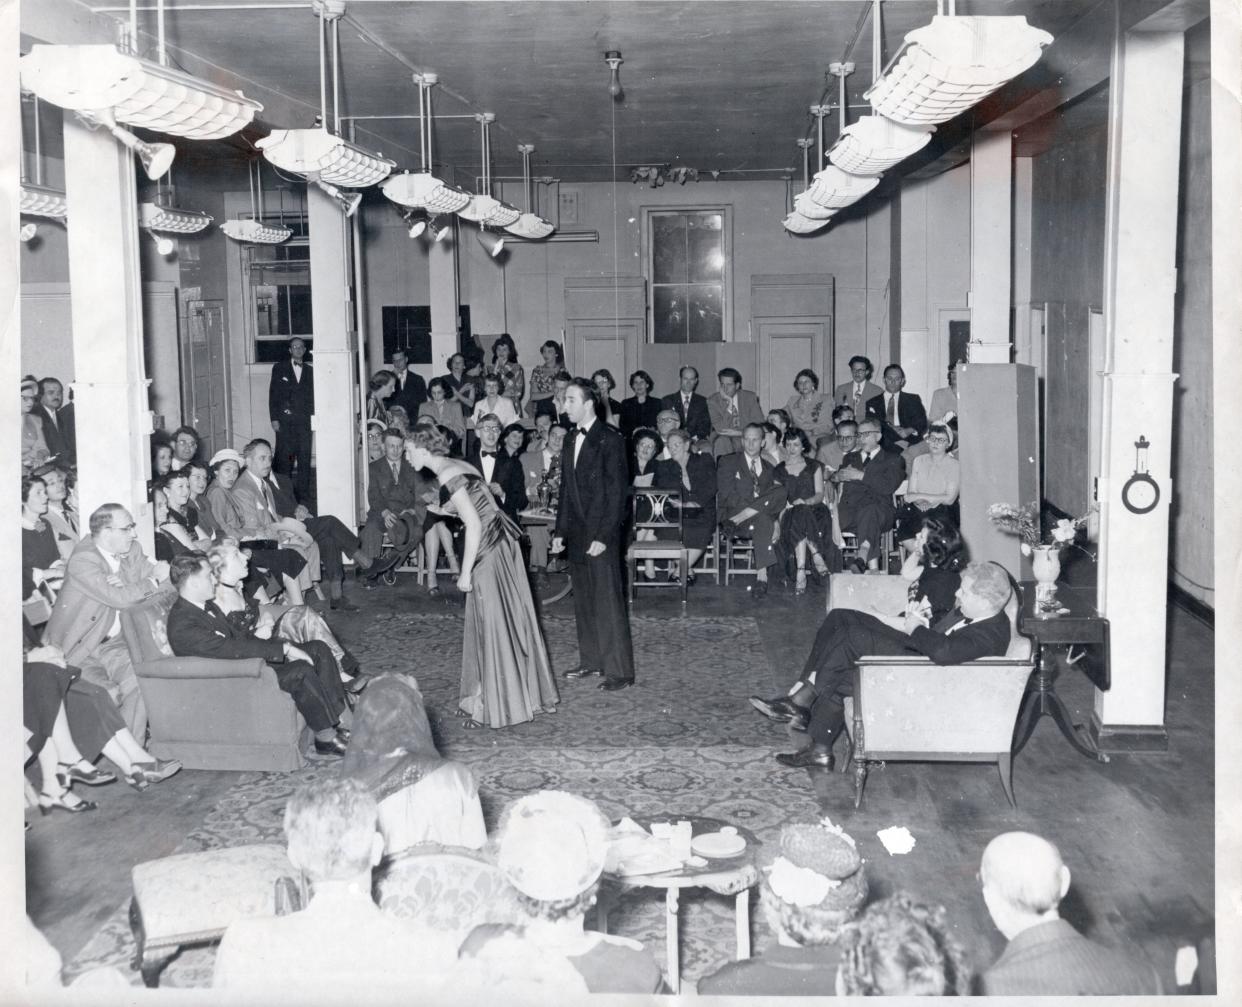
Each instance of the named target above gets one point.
<point>576,673</point>
<point>357,685</point>
<point>783,711</point>
<point>616,685</point>
<point>333,747</point>
<point>808,758</point>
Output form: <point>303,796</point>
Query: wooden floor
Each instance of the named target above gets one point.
<point>1137,833</point>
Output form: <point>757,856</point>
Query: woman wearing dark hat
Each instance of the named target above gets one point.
<point>422,797</point>
<point>810,890</point>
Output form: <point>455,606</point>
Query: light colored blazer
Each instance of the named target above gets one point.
<point>843,395</point>
<point>88,605</point>
<point>748,410</point>
<point>66,537</point>
<point>257,520</point>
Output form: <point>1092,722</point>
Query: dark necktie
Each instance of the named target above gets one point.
<point>892,410</point>
<point>396,471</point>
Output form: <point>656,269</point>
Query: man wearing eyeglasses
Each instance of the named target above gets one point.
<point>107,572</point>
<point>869,476</point>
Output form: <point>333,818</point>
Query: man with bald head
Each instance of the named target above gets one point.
<point>1024,880</point>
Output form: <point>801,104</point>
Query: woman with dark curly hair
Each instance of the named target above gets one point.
<point>383,383</point>
<point>806,523</point>
<point>934,567</point>
<point>506,677</point>
<point>810,410</point>
<point>607,408</point>
<point>543,376</point>
<point>506,367</point>
<point>900,947</point>
<point>641,408</point>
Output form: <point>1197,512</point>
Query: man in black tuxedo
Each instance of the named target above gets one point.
<point>869,476</point>
<point>594,491</point>
<point>978,627</point>
<point>57,422</point>
<point>411,390</point>
<point>691,409</point>
<point>502,472</point>
<point>749,500</point>
<point>396,498</point>
<point>308,671</point>
<point>902,414</point>
<point>290,405</point>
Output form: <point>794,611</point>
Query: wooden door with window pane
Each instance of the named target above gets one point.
<point>204,373</point>
<point>792,317</point>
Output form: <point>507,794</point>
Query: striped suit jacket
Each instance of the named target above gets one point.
<point>1054,959</point>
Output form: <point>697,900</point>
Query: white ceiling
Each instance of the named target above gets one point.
<point>711,85</point>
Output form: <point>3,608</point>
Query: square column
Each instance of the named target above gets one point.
<point>442,263</point>
<point>991,245</point>
<point>1140,281</point>
<point>112,413</point>
<point>336,391</point>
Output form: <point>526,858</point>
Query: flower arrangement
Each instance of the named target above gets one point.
<point>1025,523</point>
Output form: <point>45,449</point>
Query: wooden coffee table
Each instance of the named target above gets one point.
<point>734,876</point>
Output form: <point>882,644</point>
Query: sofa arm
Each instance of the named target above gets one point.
<point>918,660</point>
<point>201,667</point>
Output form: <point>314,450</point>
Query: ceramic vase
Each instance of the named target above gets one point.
<point>1046,565</point>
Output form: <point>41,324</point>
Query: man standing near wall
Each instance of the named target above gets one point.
<point>290,405</point>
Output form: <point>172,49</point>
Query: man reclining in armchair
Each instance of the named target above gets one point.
<point>977,627</point>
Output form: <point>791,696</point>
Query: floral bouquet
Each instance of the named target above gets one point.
<point>1025,523</point>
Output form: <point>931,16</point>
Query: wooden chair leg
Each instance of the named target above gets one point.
<point>860,781</point>
<point>685,575</point>
<point>1004,763</point>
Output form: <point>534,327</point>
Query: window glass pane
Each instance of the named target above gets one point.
<point>299,311</point>
<point>668,235</point>
<point>705,247</point>
<point>670,314</point>
<point>706,318</point>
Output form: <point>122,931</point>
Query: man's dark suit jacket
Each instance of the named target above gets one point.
<point>594,492</point>
<point>411,396</point>
<point>282,494</point>
<point>54,433</point>
<point>702,491</point>
<point>385,493</point>
<point>289,400</point>
<point>986,638</point>
<point>910,413</point>
<point>1054,959</point>
<point>881,477</point>
<point>697,422</point>
<point>508,474</point>
<point>205,632</point>
<point>735,485</point>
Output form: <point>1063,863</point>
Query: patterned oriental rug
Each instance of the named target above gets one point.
<point>683,742</point>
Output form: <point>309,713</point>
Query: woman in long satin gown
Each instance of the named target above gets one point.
<point>506,677</point>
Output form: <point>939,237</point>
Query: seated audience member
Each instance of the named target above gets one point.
<point>379,390</point>
<point>543,376</point>
<point>1024,880</point>
<point>261,520</point>
<point>161,456</point>
<point>869,476</point>
<point>251,611</point>
<point>399,418</point>
<point>195,516</point>
<point>512,375</point>
<point>772,444</point>
<point>691,408</point>
<point>461,387</point>
<point>441,410</point>
<point>831,454</point>
<point>806,522</point>
<point>329,533</point>
<point>513,440</point>
<point>642,408</point>
<point>901,413</point>
<point>411,390</point>
<point>57,421</point>
<point>934,568</point>
<point>61,514</point>
<point>43,566</point>
<point>46,728</point>
<point>539,436</point>
<point>860,390</point>
<point>810,889</point>
<point>647,446</point>
<point>809,409</point>
<point>308,671</point>
<point>607,408</point>
<point>169,541</point>
<point>900,947</point>
<point>394,498</point>
<point>780,419</point>
<point>494,403</point>
<point>749,500</point>
<point>542,467</point>
<point>375,440</point>
<point>230,521</point>
<point>185,447</point>
<point>730,409</point>
<point>555,405</point>
<point>341,945</point>
<point>34,445</point>
<point>932,486</point>
<point>977,627</point>
<point>666,423</point>
<point>694,476</point>
<point>501,471</point>
<point>107,572</point>
<point>944,401</point>
<point>551,847</point>
<point>423,797</point>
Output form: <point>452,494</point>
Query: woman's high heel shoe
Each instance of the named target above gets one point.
<point>800,583</point>
<point>47,802</point>
<point>70,772</point>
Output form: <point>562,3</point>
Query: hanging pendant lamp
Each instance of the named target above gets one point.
<point>529,225</point>
<point>483,209</point>
<point>421,190</point>
<point>255,231</point>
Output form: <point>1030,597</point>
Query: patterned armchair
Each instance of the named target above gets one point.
<point>906,709</point>
<point>209,713</point>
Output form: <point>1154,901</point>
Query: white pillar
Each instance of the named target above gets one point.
<point>1028,347</point>
<point>336,401</point>
<point>442,264</point>
<point>991,240</point>
<point>111,413</point>
<point>1140,281</point>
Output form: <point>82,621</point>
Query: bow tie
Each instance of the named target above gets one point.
<point>488,454</point>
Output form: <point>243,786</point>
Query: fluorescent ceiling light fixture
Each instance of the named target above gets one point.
<point>807,207</point>
<point>332,159</point>
<point>945,67</point>
<point>834,188</point>
<point>531,226</point>
<point>874,144</point>
<point>795,223</point>
<point>154,217</point>
<point>95,78</point>
<point>256,232</point>
<point>421,191</point>
<point>38,201</point>
<point>558,237</point>
<point>489,211</point>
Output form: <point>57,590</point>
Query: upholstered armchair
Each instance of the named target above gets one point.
<point>446,888</point>
<point>907,709</point>
<point>210,713</point>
